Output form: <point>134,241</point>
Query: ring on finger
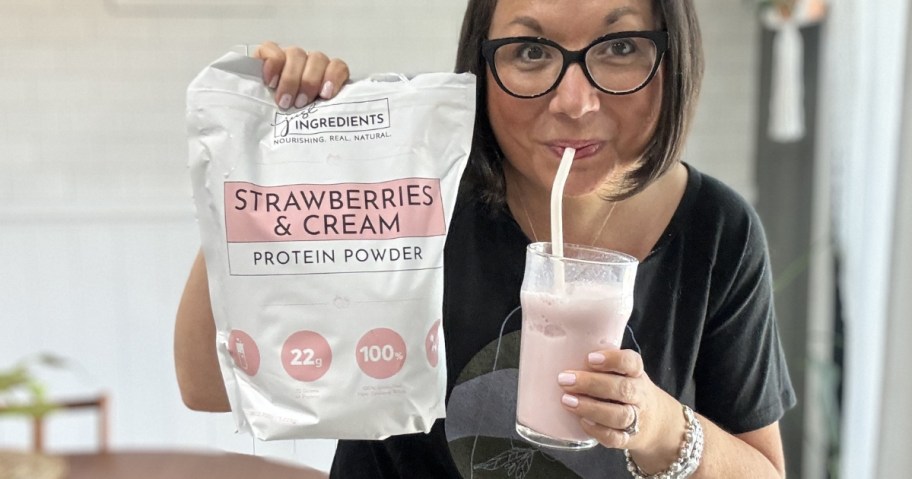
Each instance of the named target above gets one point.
<point>634,426</point>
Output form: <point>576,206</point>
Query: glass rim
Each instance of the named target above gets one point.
<point>622,259</point>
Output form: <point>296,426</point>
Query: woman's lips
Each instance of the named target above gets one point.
<point>584,149</point>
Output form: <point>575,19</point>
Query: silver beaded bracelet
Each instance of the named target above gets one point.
<point>688,459</point>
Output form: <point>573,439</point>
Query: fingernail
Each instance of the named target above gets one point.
<point>301,100</point>
<point>569,400</point>
<point>274,82</point>
<point>588,421</point>
<point>285,101</point>
<point>566,379</point>
<point>596,358</point>
<point>327,90</point>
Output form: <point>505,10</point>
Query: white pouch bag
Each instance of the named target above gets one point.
<point>323,231</point>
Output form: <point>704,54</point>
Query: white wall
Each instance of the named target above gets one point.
<point>96,222</point>
<point>722,141</point>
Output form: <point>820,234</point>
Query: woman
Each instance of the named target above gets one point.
<point>703,332</point>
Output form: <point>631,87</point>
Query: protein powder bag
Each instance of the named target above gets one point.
<point>323,231</point>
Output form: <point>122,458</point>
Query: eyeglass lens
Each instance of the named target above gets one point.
<point>617,65</point>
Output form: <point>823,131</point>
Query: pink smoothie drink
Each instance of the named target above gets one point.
<point>563,321</point>
<point>558,333</point>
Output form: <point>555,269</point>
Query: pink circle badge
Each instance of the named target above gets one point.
<point>306,356</point>
<point>432,343</point>
<point>244,352</point>
<point>380,353</point>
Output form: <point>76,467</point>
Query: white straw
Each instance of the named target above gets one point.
<point>557,215</point>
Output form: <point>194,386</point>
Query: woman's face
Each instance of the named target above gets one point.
<point>610,132</point>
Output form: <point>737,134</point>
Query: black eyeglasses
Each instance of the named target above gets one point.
<point>617,63</point>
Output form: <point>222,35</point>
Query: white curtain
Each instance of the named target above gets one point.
<point>896,419</point>
<point>862,72</point>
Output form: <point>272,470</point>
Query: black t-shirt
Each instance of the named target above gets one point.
<point>703,322</point>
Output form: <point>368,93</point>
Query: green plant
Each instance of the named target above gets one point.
<point>21,392</point>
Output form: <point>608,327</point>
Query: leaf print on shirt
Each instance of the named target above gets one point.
<point>516,462</point>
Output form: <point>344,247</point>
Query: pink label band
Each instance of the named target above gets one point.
<point>409,207</point>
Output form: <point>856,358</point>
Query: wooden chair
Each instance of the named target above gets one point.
<point>99,403</point>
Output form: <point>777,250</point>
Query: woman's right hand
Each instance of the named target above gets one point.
<point>298,76</point>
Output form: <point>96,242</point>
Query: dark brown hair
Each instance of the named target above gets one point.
<point>683,73</point>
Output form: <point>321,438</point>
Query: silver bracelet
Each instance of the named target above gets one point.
<point>688,458</point>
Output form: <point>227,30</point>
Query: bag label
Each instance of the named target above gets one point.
<point>271,230</point>
<point>350,117</point>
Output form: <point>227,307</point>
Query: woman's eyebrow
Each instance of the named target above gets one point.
<point>610,19</point>
<point>529,23</point>
<point>617,13</point>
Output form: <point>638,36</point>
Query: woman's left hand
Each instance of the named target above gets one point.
<point>615,394</point>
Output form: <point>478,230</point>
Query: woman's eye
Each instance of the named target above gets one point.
<point>622,47</point>
<point>531,52</point>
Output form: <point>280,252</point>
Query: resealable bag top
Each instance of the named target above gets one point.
<point>323,231</point>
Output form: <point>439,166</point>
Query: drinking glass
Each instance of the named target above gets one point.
<point>571,306</point>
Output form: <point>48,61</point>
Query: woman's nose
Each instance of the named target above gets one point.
<point>575,96</point>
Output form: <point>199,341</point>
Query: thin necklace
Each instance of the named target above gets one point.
<point>598,234</point>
